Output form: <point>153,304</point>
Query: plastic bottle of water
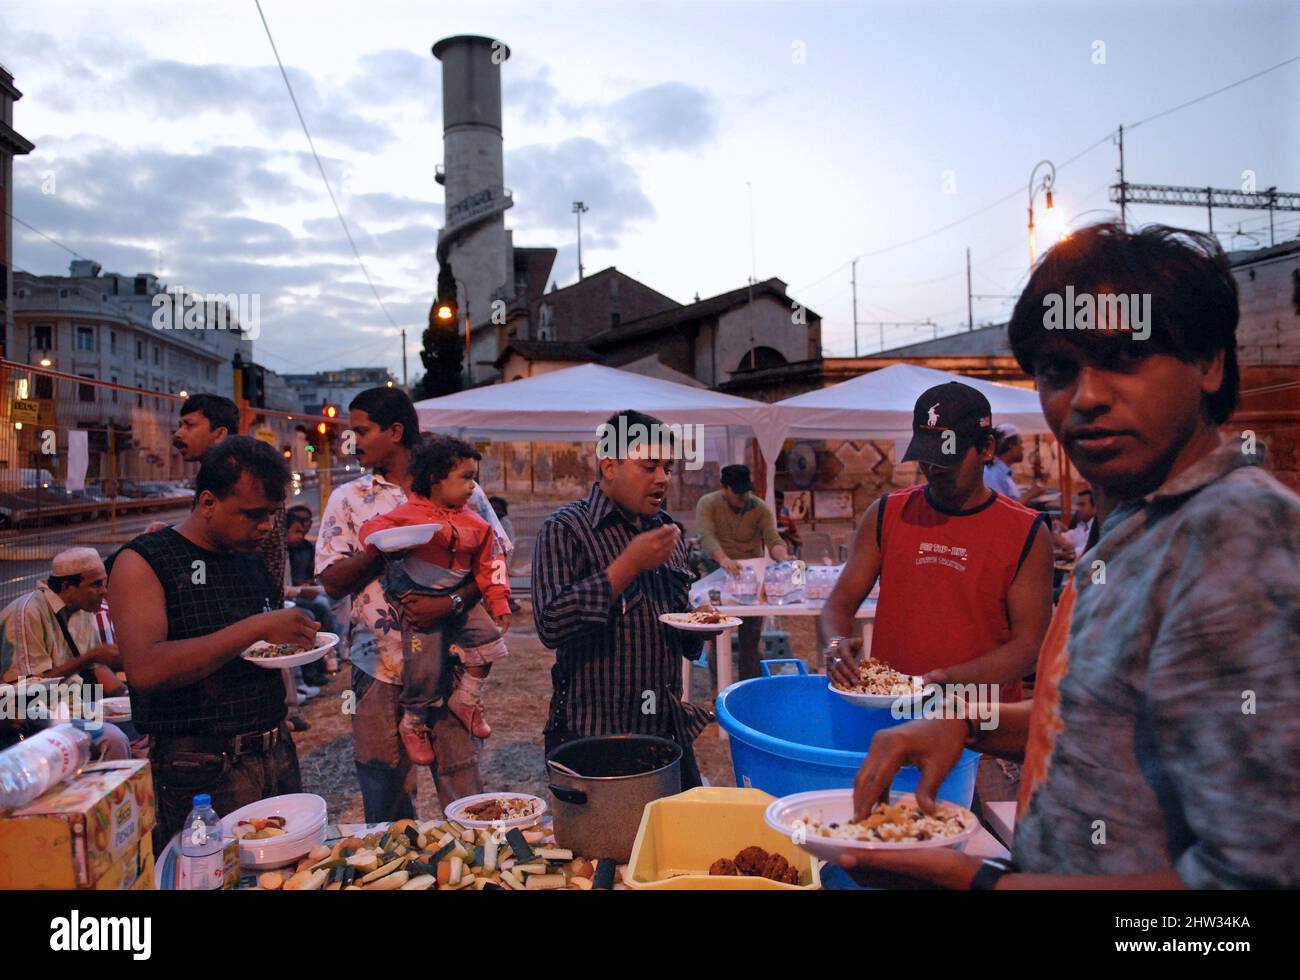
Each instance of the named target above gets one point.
<point>745,586</point>
<point>201,864</point>
<point>36,764</point>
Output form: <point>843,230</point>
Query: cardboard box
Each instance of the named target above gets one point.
<point>134,872</point>
<point>87,829</point>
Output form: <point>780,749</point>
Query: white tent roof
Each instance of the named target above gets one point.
<point>569,404</point>
<point>879,405</point>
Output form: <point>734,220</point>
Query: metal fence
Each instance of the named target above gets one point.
<point>121,437</point>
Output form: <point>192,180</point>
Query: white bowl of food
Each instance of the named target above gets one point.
<point>277,830</point>
<point>880,686</point>
<point>281,656</point>
<point>821,822</point>
<point>505,810</point>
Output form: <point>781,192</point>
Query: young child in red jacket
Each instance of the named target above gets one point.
<point>443,471</point>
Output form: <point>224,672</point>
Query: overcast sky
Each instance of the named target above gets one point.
<point>166,142</point>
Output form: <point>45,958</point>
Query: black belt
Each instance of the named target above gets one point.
<point>252,743</point>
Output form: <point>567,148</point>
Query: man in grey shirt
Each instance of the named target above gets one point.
<point>1162,749</point>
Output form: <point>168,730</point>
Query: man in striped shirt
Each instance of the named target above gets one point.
<point>604,569</point>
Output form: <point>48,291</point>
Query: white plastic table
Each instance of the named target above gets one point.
<point>714,580</point>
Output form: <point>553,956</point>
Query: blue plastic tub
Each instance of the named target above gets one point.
<point>790,734</point>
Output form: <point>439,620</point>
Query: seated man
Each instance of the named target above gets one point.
<point>50,633</point>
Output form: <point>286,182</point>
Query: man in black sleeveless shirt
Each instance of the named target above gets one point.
<point>186,602</point>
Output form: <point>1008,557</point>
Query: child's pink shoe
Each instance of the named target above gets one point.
<point>469,710</point>
<point>416,741</point>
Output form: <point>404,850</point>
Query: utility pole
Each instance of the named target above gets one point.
<point>855,310</point>
<point>1123,187</point>
<point>578,209</point>
<point>405,387</point>
<point>970,312</point>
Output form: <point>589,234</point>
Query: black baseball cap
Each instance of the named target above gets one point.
<point>736,477</point>
<point>953,407</point>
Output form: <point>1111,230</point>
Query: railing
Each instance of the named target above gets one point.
<point>121,438</point>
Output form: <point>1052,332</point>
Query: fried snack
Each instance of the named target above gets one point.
<point>791,876</point>
<point>751,860</point>
<point>775,867</point>
<point>723,866</point>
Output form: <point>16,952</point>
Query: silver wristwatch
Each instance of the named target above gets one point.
<point>457,604</point>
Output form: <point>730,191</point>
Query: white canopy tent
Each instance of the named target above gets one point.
<point>571,403</point>
<point>879,406</point>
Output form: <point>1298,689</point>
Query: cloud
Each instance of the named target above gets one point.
<point>671,116</point>
<point>176,88</point>
<point>548,178</point>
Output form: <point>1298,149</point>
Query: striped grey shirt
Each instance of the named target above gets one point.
<point>617,670</point>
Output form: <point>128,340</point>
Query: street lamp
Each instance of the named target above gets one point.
<point>1052,216</point>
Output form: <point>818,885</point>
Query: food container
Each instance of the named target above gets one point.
<point>790,734</point>
<point>85,832</point>
<point>598,812</point>
<point>681,836</point>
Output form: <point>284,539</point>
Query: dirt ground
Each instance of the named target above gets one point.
<point>518,693</point>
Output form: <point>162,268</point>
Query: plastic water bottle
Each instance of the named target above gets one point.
<point>201,864</point>
<point>745,586</point>
<point>38,763</point>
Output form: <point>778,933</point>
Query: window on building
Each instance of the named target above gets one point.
<point>43,336</point>
<point>85,338</point>
<point>157,355</point>
<point>86,393</point>
<point>114,390</point>
<point>112,341</point>
<point>44,386</point>
<point>139,350</point>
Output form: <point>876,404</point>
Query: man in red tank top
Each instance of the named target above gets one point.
<point>965,572</point>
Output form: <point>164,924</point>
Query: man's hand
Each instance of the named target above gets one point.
<point>939,867</point>
<point>650,549</point>
<point>424,612</point>
<point>932,745</point>
<point>106,655</point>
<point>287,626</point>
<point>503,623</point>
<point>732,567</point>
<point>306,592</point>
<point>842,663</point>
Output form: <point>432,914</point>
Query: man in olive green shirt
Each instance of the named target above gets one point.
<point>734,524</point>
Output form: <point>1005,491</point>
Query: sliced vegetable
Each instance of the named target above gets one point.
<point>389,883</point>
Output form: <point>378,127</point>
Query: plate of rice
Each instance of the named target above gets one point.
<point>880,686</point>
<point>821,822</point>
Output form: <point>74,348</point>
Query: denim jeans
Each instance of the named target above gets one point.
<point>386,775</point>
<point>179,774</point>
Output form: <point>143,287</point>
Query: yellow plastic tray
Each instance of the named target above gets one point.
<point>681,836</point>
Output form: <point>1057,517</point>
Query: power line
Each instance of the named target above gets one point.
<point>321,167</point>
<point>48,238</point>
<point>1217,91</point>
<point>1081,153</point>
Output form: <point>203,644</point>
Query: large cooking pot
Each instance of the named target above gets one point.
<point>597,813</point>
